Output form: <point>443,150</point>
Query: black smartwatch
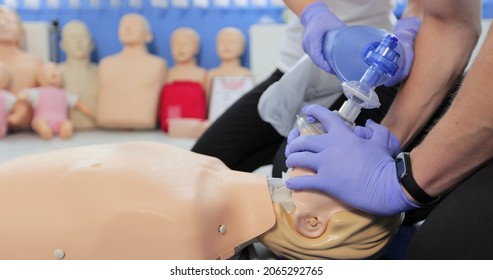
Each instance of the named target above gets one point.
<point>405,175</point>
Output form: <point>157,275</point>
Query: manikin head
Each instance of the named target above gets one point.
<point>11,30</point>
<point>230,43</point>
<point>320,226</point>
<point>185,44</point>
<point>5,77</point>
<point>76,40</point>
<point>50,75</point>
<point>134,29</point>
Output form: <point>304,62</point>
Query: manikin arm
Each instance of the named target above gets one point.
<point>467,128</point>
<point>84,109</point>
<point>455,26</point>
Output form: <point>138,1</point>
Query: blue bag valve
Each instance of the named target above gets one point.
<point>362,57</point>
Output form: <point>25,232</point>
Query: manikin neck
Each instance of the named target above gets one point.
<point>8,49</point>
<point>82,62</point>
<point>135,49</point>
<point>187,63</point>
<point>231,63</point>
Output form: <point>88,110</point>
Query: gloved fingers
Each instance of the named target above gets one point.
<point>394,145</point>
<point>303,182</point>
<point>330,120</point>
<point>392,81</point>
<point>363,132</point>
<point>406,30</point>
<point>384,137</point>
<point>302,159</point>
<point>407,27</point>
<point>313,47</point>
<point>293,134</point>
<point>380,133</point>
<point>309,143</point>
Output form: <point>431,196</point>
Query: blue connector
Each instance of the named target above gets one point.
<point>381,59</point>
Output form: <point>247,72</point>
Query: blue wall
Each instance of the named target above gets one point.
<point>103,23</point>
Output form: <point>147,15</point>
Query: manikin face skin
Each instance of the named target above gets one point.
<point>76,40</point>
<point>230,43</point>
<point>184,45</point>
<point>10,31</point>
<point>50,75</point>
<point>134,30</point>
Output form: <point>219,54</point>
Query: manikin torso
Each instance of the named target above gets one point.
<point>80,76</point>
<point>130,81</point>
<point>137,200</point>
<point>21,65</point>
<point>145,200</point>
<point>230,44</point>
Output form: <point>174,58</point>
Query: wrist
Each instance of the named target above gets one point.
<point>311,11</point>
<point>411,189</point>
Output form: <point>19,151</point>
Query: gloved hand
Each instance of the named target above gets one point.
<point>358,171</point>
<point>318,20</point>
<point>366,132</point>
<point>405,30</point>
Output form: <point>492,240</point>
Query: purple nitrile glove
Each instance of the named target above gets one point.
<point>293,134</point>
<point>405,30</point>
<point>358,171</point>
<point>366,132</point>
<point>318,20</point>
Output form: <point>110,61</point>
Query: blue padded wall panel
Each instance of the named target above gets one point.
<point>103,23</point>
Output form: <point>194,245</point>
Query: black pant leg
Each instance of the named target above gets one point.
<point>461,226</point>
<point>239,137</point>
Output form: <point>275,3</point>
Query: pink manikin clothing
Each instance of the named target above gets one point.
<point>51,106</point>
<point>3,113</point>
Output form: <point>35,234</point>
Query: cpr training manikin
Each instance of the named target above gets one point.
<point>147,200</point>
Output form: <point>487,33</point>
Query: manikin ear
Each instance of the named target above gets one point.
<point>309,224</point>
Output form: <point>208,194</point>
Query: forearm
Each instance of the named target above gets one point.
<point>84,109</point>
<point>413,8</point>
<point>442,49</point>
<point>297,6</point>
<point>463,139</point>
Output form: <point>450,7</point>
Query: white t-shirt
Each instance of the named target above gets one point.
<point>10,101</point>
<point>377,13</point>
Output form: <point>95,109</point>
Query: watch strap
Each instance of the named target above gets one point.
<point>411,186</point>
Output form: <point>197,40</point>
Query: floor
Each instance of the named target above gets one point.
<point>25,143</point>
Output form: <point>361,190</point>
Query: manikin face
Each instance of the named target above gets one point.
<point>50,75</point>
<point>230,43</point>
<point>10,31</point>
<point>134,30</point>
<point>184,45</point>
<point>76,40</point>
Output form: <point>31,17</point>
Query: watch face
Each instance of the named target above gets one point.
<point>401,167</point>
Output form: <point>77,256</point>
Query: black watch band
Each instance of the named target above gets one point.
<point>405,174</point>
